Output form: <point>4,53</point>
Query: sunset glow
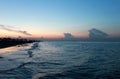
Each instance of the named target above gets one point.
<point>53,18</point>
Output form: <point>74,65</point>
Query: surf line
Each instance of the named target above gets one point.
<point>33,47</point>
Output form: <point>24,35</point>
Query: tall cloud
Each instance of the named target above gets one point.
<point>97,34</point>
<point>12,29</point>
<point>68,36</point>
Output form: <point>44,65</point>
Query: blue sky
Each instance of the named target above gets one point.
<point>51,18</point>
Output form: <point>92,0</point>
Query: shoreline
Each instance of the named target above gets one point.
<point>6,46</point>
<point>9,42</point>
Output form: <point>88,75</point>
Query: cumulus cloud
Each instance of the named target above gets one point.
<point>97,34</point>
<point>12,29</point>
<point>68,36</point>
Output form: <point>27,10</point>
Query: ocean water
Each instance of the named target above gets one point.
<point>61,60</point>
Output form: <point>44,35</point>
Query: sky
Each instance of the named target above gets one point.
<point>53,18</point>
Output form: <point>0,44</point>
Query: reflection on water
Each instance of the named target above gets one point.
<point>9,49</point>
<point>13,48</point>
<point>62,60</point>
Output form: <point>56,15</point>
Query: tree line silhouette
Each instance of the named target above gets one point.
<point>7,42</point>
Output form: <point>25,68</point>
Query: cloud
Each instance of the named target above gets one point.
<point>97,34</point>
<point>12,29</point>
<point>68,36</point>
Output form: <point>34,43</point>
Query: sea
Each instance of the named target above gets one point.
<point>61,60</point>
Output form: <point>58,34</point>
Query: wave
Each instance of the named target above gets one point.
<point>34,47</point>
<point>62,60</point>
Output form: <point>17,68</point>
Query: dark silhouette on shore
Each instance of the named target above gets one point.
<point>7,42</point>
